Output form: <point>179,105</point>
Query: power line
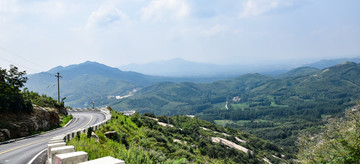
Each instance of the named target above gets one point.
<point>17,64</point>
<point>14,63</point>
<point>15,54</point>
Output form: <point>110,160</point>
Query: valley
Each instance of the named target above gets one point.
<point>275,108</point>
<point>244,81</point>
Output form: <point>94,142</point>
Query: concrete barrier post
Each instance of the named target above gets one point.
<point>70,158</point>
<point>107,160</point>
<point>50,146</point>
<point>61,150</point>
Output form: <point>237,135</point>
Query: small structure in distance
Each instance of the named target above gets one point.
<point>129,112</point>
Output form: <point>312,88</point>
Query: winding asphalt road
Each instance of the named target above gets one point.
<point>22,151</point>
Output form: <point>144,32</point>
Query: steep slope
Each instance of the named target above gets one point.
<point>177,139</point>
<point>271,108</point>
<point>337,143</point>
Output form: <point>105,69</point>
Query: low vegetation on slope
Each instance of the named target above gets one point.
<point>178,139</point>
<point>339,142</point>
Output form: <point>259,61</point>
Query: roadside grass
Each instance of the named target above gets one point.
<point>65,120</point>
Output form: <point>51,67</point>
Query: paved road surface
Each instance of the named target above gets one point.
<point>22,151</point>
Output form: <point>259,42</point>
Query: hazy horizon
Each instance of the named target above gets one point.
<point>39,35</point>
<point>186,68</point>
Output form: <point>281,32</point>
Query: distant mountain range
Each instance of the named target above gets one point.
<point>331,62</point>
<point>182,68</point>
<point>176,67</point>
<point>90,81</point>
<point>179,67</point>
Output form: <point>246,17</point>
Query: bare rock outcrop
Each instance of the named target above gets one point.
<point>62,111</point>
<point>111,135</point>
<point>93,135</point>
<point>21,124</point>
<point>4,134</point>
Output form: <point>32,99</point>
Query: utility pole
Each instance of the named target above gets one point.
<point>58,76</point>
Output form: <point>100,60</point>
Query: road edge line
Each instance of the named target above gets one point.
<point>33,159</point>
<point>71,121</point>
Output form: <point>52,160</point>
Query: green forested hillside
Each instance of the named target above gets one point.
<point>81,84</point>
<point>84,83</point>
<point>271,108</point>
<point>302,71</point>
<point>178,139</point>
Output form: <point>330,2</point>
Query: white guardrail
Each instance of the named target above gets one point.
<point>59,153</point>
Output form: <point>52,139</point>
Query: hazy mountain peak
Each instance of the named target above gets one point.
<point>174,60</point>
<point>325,63</point>
<point>179,67</point>
<point>55,69</point>
<point>69,67</point>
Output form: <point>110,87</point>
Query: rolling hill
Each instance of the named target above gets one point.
<point>91,81</point>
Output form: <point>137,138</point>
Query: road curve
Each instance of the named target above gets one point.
<point>22,151</point>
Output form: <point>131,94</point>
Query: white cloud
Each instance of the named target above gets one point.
<point>259,7</point>
<point>8,6</point>
<point>160,9</point>
<point>214,30</point>
<point>104,16</point>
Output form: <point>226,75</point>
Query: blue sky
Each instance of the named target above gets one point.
<point>40,34</point>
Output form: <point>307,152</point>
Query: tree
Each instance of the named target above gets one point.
<point>11,98</point>
<point>15,78</point>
